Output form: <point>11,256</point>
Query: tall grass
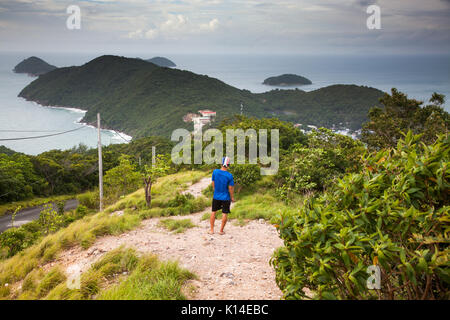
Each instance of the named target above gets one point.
<point>177,226</point>
<point>85,231</point>
<point>151,280</point>
<point>119,275</point>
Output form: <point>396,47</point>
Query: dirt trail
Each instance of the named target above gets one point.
<point>230,266</point>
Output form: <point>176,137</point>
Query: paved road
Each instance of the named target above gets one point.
<point>30,214</point>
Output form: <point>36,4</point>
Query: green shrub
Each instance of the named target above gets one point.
<point>122,179</point>
<point>245,175</point>
<point>49,219</point>
<point>81,211</point>
<point>327,157</point>
<point>13,239</point>
<point>60,205</point>
<point>394,214</point>
<point>32,227</point>
<point>89,199</point>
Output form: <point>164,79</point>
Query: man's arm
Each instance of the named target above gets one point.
<point>231,190</point>
<point>213,185</point>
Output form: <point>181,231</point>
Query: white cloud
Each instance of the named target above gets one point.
<point>151,34</point>
<point>289,25</point>
<point>210,26</point>
<point>174,26</point>
<point>138,34</point>
<point>174,23</point>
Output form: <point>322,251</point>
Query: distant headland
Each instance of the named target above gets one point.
<point>287,80</point>
<point>162,62</point>
<point>142,99</point>
<point>33,66</point>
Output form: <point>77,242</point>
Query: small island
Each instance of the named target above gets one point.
<point>162,62</point>
<point>33,66</point>
<point>287,80</point>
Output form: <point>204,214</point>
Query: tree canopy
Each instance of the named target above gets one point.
<point>399,114</point>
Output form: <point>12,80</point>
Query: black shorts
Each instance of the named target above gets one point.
<point>221,204</point>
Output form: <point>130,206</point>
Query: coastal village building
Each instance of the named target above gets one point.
<point>206,116</point>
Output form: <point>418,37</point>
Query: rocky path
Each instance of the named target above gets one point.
<point>230,266</point>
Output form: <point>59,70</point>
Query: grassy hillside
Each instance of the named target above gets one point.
<point>143,99</point>
<point>29,263</point>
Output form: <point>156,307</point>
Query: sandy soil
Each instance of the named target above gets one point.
<point>230,266</point>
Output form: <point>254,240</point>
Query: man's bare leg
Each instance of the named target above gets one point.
<point>212,219</point>
<point>224,222</point>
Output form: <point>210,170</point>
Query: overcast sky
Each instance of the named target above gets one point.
<point>230,26</point>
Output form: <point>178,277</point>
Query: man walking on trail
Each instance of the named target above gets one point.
<point>223,186</point>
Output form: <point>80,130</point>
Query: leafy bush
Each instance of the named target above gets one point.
<point>394,214</point>
<point>399,114</point>
<point>18,179</point>
<point>122,179</point>
<point>81,211</point>
<point>60,205</point>
<point>316,166</point>
<point>13,239</point>
<point>89,199</point>
<point>49,219</point>
<point>245,174</point>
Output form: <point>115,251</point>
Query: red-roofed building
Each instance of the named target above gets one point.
<point>207,113</point>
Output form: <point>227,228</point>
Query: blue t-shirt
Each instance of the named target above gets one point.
<point>222,179</point>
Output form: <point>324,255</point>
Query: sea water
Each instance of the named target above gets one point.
<point>20,118</point>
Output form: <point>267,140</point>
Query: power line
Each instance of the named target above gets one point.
<point>44,136</point>
<point>121,136</point>
<point>29,130</point>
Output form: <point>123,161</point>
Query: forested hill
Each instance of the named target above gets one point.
<point>143,99</point>
<point>33,66</point>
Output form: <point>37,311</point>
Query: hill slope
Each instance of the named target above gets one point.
<point>142,99</point>
<point>33,66</point>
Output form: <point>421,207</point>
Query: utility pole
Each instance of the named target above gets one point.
<point>100,163</point>
<point>153,156</point>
